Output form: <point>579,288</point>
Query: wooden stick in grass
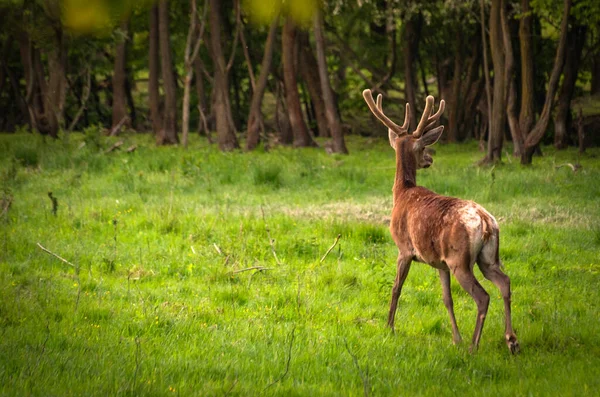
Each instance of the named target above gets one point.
<point>56,256</point>
<point>330,248</point>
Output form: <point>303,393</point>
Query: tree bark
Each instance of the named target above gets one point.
<point>57,82</point>
<point>119,78</point>
<point>309,71</point>
<point>563,119</point>
<point>192,46</point>
<point>255,115</point>
<point>225,134</point>
<point>496,135</point>
<point>486,74</point>
<point>511,87</point>
<point>412,34</point>
<point>527,112</point>
<point>302,137</point>
<point>595,86</point>
<point>286,137</point>
<point>333,119</point>
<point>538,131</point>
<point>153,73</point>
<point>168,133</point>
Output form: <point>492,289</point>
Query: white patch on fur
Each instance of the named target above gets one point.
<point>472,221</point>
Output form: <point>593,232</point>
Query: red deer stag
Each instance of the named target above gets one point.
<point>447,233</point>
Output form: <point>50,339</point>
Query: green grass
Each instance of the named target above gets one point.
<point>153,306</point>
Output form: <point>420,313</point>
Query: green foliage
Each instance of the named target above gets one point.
<point>154,306</point>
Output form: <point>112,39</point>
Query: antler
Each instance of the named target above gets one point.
<point>428,121</point>
<point>377,110</point>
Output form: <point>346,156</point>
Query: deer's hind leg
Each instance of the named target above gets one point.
<point>401,273</point>
<point>489,263</point>
<point>449,303</point>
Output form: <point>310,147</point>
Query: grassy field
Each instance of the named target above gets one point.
<point>151,302</point>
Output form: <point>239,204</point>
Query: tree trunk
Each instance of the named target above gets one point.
<point>496,136</point>
<point>302,137</point>
<point>412,34</point>
<point>168,133</point>
<point>201,94</point>
<point>225,134</point>
<point>454,101</point>
<point>535,136</point>
<point>595,86</point>
<point>333,119</point>
<point>153,73</point>
<point>486,75</point>
<point>309,71</point>
<point>563,120</point>
<point>511,87</point>
<point>527,113</point>
<point>119,78</point>
<point>57,82</point>
<point>286,137</point>
<point>255,115</point>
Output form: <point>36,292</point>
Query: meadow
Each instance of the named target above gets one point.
<point>195,272</point>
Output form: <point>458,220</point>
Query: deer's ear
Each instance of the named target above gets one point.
<point>430,137</point>
<point>393,136</point>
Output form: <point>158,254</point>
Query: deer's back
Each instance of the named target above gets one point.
<point>437,229</point>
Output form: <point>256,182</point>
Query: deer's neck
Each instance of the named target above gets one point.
<point>406,168</point>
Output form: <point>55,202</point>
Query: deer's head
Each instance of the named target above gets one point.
<point>414,144</point>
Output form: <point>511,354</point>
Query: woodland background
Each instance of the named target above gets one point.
<point>286,72</point>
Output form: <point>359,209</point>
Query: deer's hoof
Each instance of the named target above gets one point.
<point>513,344</point>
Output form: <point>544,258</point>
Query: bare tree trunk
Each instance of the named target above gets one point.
<point>119,78</point>
<point>496,136</point>
<point>595,86</point>
<point>510,86</point>
<point>301,136</point>
<point>57,82</point>
<point>527,113</point>
<point>255,115</point>
<point>168,132</point>
<point>563,119</point>
<point>286,137</point>
<point>153,73</point>
<point>333,119</point>
<point>486,74</point>
<point>412,33</point>
<point>225,134</point>
<point>309,71</point>
<point>535,136</point>
<point>192,46</point>
<point>201,94</point>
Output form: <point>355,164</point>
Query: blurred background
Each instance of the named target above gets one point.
<point>291,72</point>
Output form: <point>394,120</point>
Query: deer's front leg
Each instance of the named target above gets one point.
<point>401,273</point>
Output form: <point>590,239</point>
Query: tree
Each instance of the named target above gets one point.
<point>255,114</point>
<point>299,129</point>
<point>496,133</point>
<point>119,79</point>
<point>333,119</point>
<point>168,132</point>
<point>562,121</point>
<point>225,134</point>
<point>154,72</point>
<point>534,137</point>
<point>309,71</point>
<point>192,47</point>
<point>411,36</point>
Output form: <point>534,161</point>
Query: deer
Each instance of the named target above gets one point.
<point>447,233</point>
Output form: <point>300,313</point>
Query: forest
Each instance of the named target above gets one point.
<point>196,197</point>
<point>523,72</point>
